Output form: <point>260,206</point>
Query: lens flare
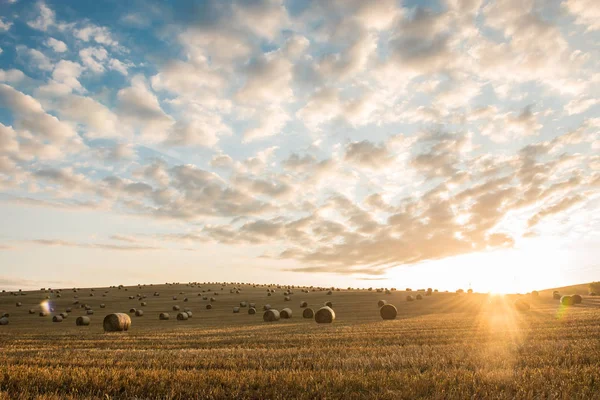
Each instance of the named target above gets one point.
<point>45,306</point>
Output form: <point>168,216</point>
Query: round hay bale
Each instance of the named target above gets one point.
<point>325,315</point>
<point>117,322</point>
<point>57,318</point>
<point>252,311</point>
<point>185,300</point>
<point>577,299</point>
<point>419,297</point>
<point>163,316</point>
<point>132,310</point>
<point>388,311</point>
<point>102,305</point>
<point>212,299</point>
<point>303,304</point>
<point>286,313</point>
<point>592,294</point>
<point>90,312</point>
<point>329,293</point>
<point>82,321</point>
<point>269,294</point>
<point>556,296</point>
<point>43,314</point>
<point>521,305</point>
<point>252,305</point>
<point>176,308</point>
<point>19,304</point>
<point>64,315</point>
<point>308,313</point>
<point>535,294</point>
<point>208,306</point>
<point>68,309</point>
<point>236,310</point>
<point>271,315</point>
<point>287,298</point>
<point>243,304</point>
<point>182,316</point>
<point>566,301</point>
<point>139,313</point>
<point>329,304</point>
<point>143,304</point>
<point>3,321</point>
<point>381,303</point>
<point>266,307</point>
<point>189,313</point>
<point>31,311</point>
<point>409,298</point>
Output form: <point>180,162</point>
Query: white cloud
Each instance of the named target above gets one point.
<point>35,58</point>
<point>93,58</point>
<point>44,20</point>
<point>586,12</point>
<point>4,25</point>
<point>57,45</point>
<point>100,35</point>
<point>11,75</point>
<point>117,65</point>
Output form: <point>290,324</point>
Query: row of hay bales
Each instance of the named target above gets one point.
<point>324,315</point>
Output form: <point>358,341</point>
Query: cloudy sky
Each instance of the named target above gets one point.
<point>441,143</point>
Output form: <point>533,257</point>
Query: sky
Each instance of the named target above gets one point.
<point>440,143</point>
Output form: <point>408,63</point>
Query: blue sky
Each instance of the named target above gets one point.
<point>440,143</point>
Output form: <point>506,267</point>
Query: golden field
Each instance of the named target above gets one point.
<point>444,346</point>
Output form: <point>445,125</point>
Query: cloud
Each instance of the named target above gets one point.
<point>100,246</point>
<point>4,25</point>
<point>11,75</point>
<point>44,20</point>
<point>586,12</point>
<point>367,154</point>
<point>56,45</point>
<point>100,35</point>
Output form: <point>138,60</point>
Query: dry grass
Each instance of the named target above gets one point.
<point>445,346</point>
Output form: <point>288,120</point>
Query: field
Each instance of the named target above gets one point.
<point>444,346</point>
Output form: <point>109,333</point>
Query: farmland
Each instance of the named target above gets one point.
<point>443,346</point>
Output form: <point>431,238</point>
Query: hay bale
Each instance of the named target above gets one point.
<point>329,304</point>
<point>102,305</point>
<point>19,304</point>
<point>535,294</point>
<point>208,306</point>
<point>82,321</point>
<point>325,315</point>
<point>419,297</point>
<point>252,305</point>
<point>303,304</point>
<point>287,298</point>
<point>271,315</point>
<point>577,299</point>
<point>163,316</point>
<point>68,309</point>
<point>64,315</point>
<point>185,300</point>
<point>329,293</point>
<point>212,299</point>
<point>308,313</point>
<point>409,298</point>
<point>566,301</point>
<point>144,304</point>
<point>182,316</point>
<point>132,310</point>
<point>57,318</point>
<point>31,311</point>
<point>266,307</point>
<point>521,305</point>
<point>139,313</point>
<point>43,313</point>
<point>252,311</point>
<point>189,313</point>
<point>236,310</point>
<point>243,304</point>
<point>89,312</point>
<point>117,322</point>
<point>381,303</point>
<point>556,296</point>
<point>176,308</point>
<point>286,313</point>
<point>268,294</point>
<point>388,311</point>
<point>3,321</point>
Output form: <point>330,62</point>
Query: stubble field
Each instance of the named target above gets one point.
<point>443,346</point>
